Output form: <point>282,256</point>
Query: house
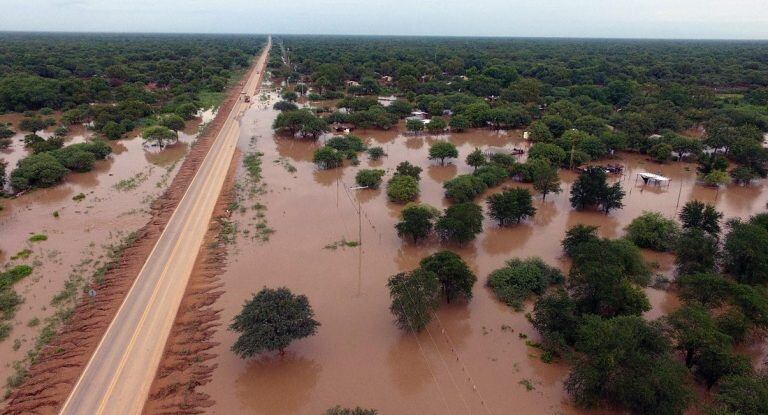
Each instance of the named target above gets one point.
<point>386,80</point>
<point>386,101</point>
<point>419,115</point>
<point>352,83</point>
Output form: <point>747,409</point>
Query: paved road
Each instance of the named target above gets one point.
<point>118,376</point>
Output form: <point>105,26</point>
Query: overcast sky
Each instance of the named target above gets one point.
<point>699,19</point>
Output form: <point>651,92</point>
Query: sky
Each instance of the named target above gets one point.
<point>678,19</point>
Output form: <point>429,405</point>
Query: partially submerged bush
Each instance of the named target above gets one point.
<point>464,188</point>
<point>492,174</point>
<point>327,158</point>
<point>416,221</point>
<point>653,231</point>
<point>370,178</point>
<point>519,279</point>
<point>37,170</point>
<point>402,188</point>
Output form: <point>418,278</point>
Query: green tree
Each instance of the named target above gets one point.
<point>545,178</point>
<point>32,125</point>
<point>661,152</point>
<point>511,205</point>
<point>407,169</point>
<point>459,123</point>
<point>159,135</point>
<point>653,231</point>
<point>271,320</point>
<point>698,215</point>
<point>173,122</point>
<point>692,328</point>
<point>743,394</point>
<point>442,150</point>
<point>414,126</point>
<point>476,159</point>
<point>461,222</point>
<point>556,319</point>
<point>456,279</point>
<point>577,235</point>
<point>414,297</point>
<point>402,188</point>
<point>416,221</point>
<point>519,279</point>
<point>696,252</point>
<point>539,133</point>
<point>370,178</point>
<point>37,170</point>
<point>551,152</point>
<point>436,125</point>
<point>592,189</point>
<point>745,250</point>
<point>626,362</point>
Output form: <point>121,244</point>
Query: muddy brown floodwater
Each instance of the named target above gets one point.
<point>118,193</point>
<point>472,358</point>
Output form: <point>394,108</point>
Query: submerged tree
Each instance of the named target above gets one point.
<point>442,150</point>
<point>416,221</point>
<point>159,135</point>
<point>414,297</point>
<point>511,205</point>
<point>461,222</point>
<point>271,320</point>
<point>455,276</point>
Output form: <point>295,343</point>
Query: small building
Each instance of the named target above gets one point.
<point>352,83</point>
<point>420,115</point>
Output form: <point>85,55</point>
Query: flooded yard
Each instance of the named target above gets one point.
<point>473,358</point>
<point>84,217</point>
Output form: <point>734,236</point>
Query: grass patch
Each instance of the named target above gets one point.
<point>210,100</point>
<point>528,384</point>
<point>39,237</point>
<point>23,254</point>
<point>13,275</point>
<point>78,197</point>
<point>252,163</point>
<point>342,243</point>
<point>132,182</point>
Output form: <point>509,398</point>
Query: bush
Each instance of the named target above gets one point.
<point>375,153</point>
<point>464,188</point>
<point>338,410</point>
<point>285,106</point>
<point>407,169</point>
<point>327,158</point>
<point>491,174</point>
<point>13,275</point>
<point>75,159</point>
<point>402,188</point>
<point>653,231</point>
<point>37,170</point>
<point>346,144</point>
<point>519,279</point>
<point>369,178</point>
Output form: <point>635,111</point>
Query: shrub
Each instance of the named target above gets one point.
<point>491,174</point>
<point>346,144</point>
<point>519,279</point>
<point>37,170</point>
<point>369,178</point>
<point>407,169</point>
<point>13,275</point>
<point>338,410</point>
<point>653,231</point>
<point>375,153</point>
<point>402,188</point>
<point>464,188</point>
<point>327,158</point>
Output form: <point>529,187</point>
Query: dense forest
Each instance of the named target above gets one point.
<point>656,97</point>
<point>579,101</point>
<point>115,82</point>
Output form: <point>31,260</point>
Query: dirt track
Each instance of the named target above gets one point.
<point>53,375</point>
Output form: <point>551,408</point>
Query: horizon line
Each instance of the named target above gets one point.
<point>554,37</point>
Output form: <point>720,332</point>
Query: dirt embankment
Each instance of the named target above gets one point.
<point>59,365</point>
<point>184,365</point>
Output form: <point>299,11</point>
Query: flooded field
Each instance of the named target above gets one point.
<point>473,358</point>
<point>83,217</point>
